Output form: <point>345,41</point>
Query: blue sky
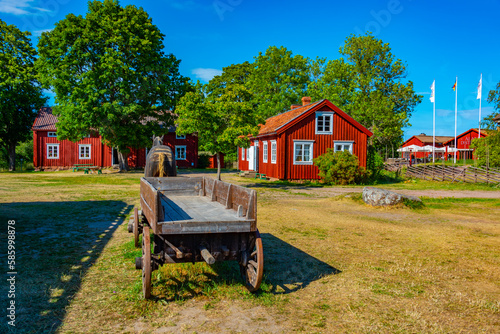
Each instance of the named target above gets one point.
<point>437,39</point>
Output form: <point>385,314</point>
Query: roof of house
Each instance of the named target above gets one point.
<point>428,139</point>
<point>46,121</point>
<point>476,130</point>
<point>281,121</point>
<point>497,118</point>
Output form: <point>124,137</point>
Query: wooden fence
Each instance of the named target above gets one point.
<point>449,173</point>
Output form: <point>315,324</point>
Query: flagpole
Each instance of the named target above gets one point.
<point>479,93</point>
<point>433,128</point>
<point>456,94</point>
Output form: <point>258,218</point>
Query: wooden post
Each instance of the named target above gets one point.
<point>229,197</point>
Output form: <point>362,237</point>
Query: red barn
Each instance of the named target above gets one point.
<point>288,142</point>
<point>423,140</point>
<point>463,142</point>
<point>51,153</point>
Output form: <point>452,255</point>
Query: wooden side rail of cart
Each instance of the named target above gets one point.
<point>198,219</point>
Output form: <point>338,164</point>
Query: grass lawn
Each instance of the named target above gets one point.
<point>331,264</point>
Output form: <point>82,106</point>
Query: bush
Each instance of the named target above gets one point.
<point>340,168</point>
<point>374,163</point>
<point>487,149</point>
<point>203,160</point>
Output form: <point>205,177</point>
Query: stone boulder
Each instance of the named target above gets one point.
<point>382,197</point>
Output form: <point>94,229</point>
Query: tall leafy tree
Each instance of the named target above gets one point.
<point>221,112</point>
<point>20,92</point>
<point>493,97</point>
<point>278,80</point>
<point>110,74</point>
<point>368,82</point>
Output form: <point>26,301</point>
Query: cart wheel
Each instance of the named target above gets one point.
<point>146,263</point>
<point>254,269</point>
<point>136,227</point>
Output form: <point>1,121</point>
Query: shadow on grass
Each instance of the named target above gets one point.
<point>56,244</point>
<point>286,269</point>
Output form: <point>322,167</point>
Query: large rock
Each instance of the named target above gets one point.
<point>382,197</point>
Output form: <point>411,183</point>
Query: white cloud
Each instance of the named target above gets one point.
<point>19,7</point>
<point>206,74</point>
<point>40,32</point>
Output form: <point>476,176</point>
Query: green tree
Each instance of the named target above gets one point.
<point>110,74</point>
<point>21,95</point>
<point>487,149</point>
<point>368,83</point>
<point>221,112</point>
<point>278,80</point>
<point>493,97</point>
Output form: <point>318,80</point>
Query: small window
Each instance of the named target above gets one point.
<point>51,134</point>
<point>303,153</point>
<point>273,151</point>
<point>324,123</point>
<point>248,154</point>
<point>264,151</point>
<point>180,153</point>
<point>84,151</point>
<point>52,151</point>
<point>180,136</point>
<point>242,154</point>
<point>343,146</point>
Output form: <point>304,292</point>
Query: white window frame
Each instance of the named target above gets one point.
<point>51,134</point>
<point>248,154</point>
<point>80,146</point>
<point>274,151</point>
<point>343,143</point>
<point>243,154</point>
<point>265,152</point>
<point>56,146</point>
<point>177,157</point>
<point>296,144</point>
<point>180,136</point>
<point>324,114</point>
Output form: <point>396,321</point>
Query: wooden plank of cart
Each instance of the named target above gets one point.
<point>197,219</point>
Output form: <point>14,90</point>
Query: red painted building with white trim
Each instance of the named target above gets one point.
<point>287,143</point>
<point>51,153</point>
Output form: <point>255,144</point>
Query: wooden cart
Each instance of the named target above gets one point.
<point>197,219</point>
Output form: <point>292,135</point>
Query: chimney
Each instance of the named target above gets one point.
<point>306,100</point>
<point>294,106</point>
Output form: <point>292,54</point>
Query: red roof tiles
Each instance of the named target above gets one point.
<point>45,120</point>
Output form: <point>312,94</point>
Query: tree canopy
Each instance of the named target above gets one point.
<point>493,97</point>
<point>110,74</point>
<point>221,112</point>
<point>278,80</point>
<point>368,83</point>
<point>21,95</point>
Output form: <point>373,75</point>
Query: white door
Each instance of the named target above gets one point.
<point>251,158</point>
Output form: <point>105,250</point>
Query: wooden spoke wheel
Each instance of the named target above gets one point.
<point>146,263</point>
<point>136,228</point>
<point>253,270</point>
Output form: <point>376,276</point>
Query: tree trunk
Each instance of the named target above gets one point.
<point>12,157</point>
<point>218,166</point>
<point>122,160</point>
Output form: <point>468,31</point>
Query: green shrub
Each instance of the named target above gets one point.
<point>374,163</point>
<point>340,168</point>
<point>203,160</point>
<point>487,149</point>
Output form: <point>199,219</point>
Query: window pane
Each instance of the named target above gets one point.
<point>327,124</point>
<point>307,152</point>
<point>320,123</point>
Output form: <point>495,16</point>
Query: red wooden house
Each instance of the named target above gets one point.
<point>463,142</point>
<point>51,153</point>
<point>423,140</point>
<point>288,142</point>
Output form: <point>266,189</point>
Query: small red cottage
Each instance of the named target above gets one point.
<point>424,140</point>
<point>51,153</point>
<point>463,142</point>
<point>288,142</point>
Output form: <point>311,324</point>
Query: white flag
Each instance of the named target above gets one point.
<point>432,98</point>
<point>480,87</point>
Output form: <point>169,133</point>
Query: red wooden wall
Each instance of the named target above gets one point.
<point>101,155</point>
